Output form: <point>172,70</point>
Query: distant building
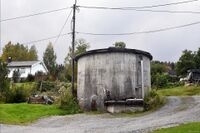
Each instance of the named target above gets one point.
<point>172,73</point>
<point>26,67</point>
<point>193,76</point>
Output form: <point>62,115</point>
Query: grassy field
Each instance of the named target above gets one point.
<point>24,113</point>
<point>185,128</point>
<point>27,84</point>
<point>180,91</point>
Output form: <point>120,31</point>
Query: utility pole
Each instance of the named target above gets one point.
<point>0,29</point>
<point>73,45</point>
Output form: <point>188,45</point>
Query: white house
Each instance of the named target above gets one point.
<point>26,67</point>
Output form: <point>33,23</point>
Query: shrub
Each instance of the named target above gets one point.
<point>40,76</point>
<point>4,90</point>
<point>4,82</point>
<point>16,76</point>
<point>30,78</point>
<point>153,100</point>
<point>17,94</point>
<point>44,86</point>
<point>68,102</point>
<point>161,80</point>
<point>175,84</point>
<point>173,79</point>
<point>69,87</point>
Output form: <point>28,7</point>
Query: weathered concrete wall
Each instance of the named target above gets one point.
<point>116,73</point>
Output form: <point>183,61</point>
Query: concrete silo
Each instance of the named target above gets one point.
<point>109,79</point>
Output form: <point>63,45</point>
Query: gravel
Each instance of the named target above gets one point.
<point>178,110</point>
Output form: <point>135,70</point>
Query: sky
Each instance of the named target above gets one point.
<point>164,46</point>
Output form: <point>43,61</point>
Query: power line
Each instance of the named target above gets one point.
<point>35,14</point>
<point>116,34</point>
<point>110,8</point>
<point>45,39</point>
<point>141,32</point>
<point>138,7</point>
<point>63,27</point>
<point>169,11</point>
<point>162,11</point>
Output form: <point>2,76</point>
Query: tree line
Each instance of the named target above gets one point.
<point>188,60</point>
<point>11,93</point>
<point>19,52</point>
<point>164,73</point>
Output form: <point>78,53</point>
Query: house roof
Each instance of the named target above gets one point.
<point>172,72</point>
<point>194,71</point>
<point>22,63</point>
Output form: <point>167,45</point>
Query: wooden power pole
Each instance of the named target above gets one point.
<point>73,46</point>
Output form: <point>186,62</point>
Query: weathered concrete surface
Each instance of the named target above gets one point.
<point>178,110</point>
<point>124,108</point>
<point>116,73</point>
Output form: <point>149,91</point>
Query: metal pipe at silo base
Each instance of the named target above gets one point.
<point>142,77</point>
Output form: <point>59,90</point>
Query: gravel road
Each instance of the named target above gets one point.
<point>177,110</point>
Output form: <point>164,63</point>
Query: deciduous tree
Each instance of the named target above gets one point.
<point>120,45</point>
<point>33,53</point>
<point>186,62</point>
<point>197,59</point>
<point>19,52</point>
<point>49,58</point>
<point>81,46</point>
<point>4,82</point>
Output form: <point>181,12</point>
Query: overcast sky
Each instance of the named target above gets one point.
<point>164,46</point>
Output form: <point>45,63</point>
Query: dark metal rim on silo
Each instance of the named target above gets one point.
<point>113,50</point>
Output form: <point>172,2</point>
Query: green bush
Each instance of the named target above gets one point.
<point>69,87</point>
<point>16,76</point>
<point>175,84</point>
<point>16,95</point>
<point>30,78</point>
<point>19,92</point>
<point>44,86</point>
<point>68,102</point>
<point>4,90</point>
<point>4,82</point>
<point>40,76</point>
<point>153,100</point>
<point>161,80</point>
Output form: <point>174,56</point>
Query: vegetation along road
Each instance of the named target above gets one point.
<point>177,110</point>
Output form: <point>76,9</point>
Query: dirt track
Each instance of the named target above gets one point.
<point>178,110</point>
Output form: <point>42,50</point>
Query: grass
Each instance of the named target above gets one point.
<point>26,85</point>
<point>184,128</point>
<point>180,91</point>
<point>25,113</point>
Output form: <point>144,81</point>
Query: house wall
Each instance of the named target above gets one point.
<point>27,70</point>
<point>38,67</point>
<point>24,71</point>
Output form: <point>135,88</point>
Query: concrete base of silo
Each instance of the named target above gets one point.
<point>129,105</point>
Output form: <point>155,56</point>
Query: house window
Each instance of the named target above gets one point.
<point>22,70</point>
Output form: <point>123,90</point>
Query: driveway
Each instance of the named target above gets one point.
<point>178,110</point>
